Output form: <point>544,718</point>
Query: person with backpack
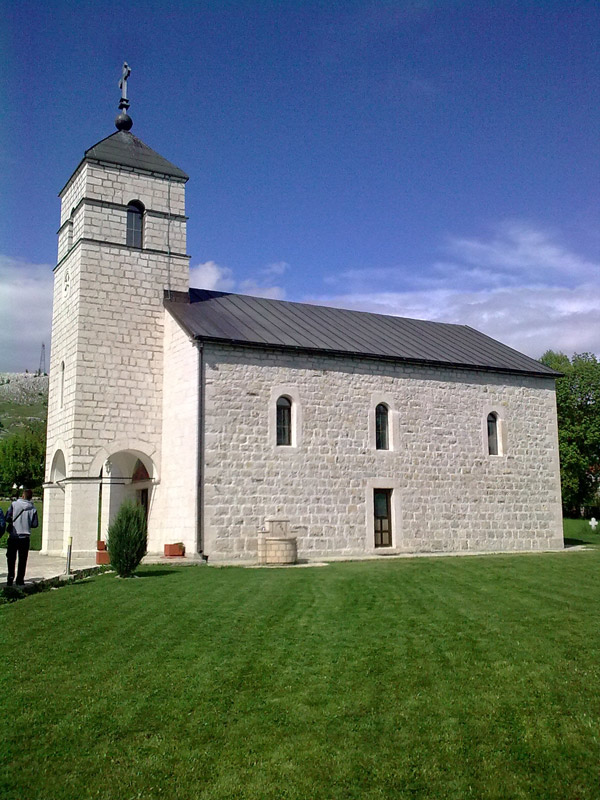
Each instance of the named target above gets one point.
<point>21,517</point>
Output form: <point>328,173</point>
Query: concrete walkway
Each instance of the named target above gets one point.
<point>40,567</point>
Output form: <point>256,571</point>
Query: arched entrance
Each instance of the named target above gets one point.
<point>125,475</point>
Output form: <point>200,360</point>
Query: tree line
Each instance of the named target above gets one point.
<point>578,409</point>
<point>22,459</point>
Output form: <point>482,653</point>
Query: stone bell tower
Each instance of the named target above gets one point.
<point>121,246</point>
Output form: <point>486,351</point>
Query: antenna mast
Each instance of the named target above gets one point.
<point>42,367</point>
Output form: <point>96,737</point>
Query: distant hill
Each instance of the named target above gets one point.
<point>23,399</point>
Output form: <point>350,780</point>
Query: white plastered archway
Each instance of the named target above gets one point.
<point>53,532</point>
<point>115,467</point>
<point>143,450</point>
<point>58,467</point>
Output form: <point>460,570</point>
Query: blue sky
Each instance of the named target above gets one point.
<point>430,159</point>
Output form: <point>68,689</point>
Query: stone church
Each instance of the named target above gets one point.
<point>226,415</point>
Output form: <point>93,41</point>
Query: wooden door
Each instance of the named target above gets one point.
<point>382,507</point>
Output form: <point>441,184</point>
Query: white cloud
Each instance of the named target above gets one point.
<point>530,320</point>
<point>252,288</point>
<point>26,319</point>
<point>519,286</point>
<point>276,268</point>
<point>211,275</point>
<point>519,252</point>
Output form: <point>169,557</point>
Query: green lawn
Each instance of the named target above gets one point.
<point>578,532</point>
<point>14,415</point>
<point>474,677</point>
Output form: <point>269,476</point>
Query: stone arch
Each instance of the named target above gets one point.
<point>53,533</point>
<point>142,450</point>
<point>58,468</point>
<point>125,474</point>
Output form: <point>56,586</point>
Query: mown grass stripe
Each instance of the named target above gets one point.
<point>445,678</point>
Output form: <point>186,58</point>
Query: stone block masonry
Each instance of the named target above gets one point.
<point>108,315</point>
<point>447,493</point>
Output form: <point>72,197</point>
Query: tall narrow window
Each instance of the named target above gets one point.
<point>492,432</point>
<point>382,436</point>
<point>382,508</point>
<point>284,421</point>
<point>70,230</point>
<point>62,384</point>
<point>135,218</point>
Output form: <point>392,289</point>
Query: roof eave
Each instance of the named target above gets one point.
<point>357,354</point>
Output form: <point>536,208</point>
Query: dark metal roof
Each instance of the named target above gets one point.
<point>124,148</point>
<point>238,319</point>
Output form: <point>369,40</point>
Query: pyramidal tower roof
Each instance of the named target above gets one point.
<point>127,150</point>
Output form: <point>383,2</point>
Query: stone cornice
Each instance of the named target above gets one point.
<point>121,168</point>
<point>121,246</point>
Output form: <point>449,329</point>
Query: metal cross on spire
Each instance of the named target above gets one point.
<point>123,120</point>
<point>123,86</point>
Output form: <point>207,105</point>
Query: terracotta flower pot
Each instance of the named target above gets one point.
<point>100,544</point>
<point>174,550</point>
<point>102,557</point>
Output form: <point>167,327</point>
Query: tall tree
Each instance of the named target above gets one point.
<point>578,407</point>
<point>22,458</point>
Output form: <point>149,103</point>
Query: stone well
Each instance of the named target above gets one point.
<point>276,546</point>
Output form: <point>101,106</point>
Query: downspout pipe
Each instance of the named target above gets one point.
<point>200,454</point>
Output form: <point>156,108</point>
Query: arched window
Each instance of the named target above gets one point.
<point>382,435</point>
<point>284,421</point>
<point>492,433</point>
<point>135,219</point>
<point>70,230</point>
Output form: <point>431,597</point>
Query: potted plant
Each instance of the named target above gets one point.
<point>177,549</point>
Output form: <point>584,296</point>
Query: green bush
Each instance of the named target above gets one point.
<point>127,538</point>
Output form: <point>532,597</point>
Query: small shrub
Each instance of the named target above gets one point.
<point>127,539</point>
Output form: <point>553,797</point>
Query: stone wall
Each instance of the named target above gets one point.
<point>448,493</point>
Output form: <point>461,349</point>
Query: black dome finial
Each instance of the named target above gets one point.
<point>123,120</point>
